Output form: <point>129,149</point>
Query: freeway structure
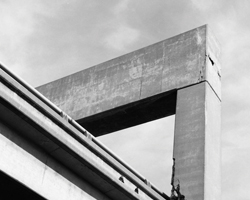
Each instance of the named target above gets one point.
<point>47,154</point>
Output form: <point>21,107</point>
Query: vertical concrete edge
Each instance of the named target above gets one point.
<point>212,174</point>
<point>189,141</point>
<point>197,142</point>
<point>213,68</point>
<point>212,165</point>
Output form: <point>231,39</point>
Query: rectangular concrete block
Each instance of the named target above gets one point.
<point>197,142</point>
<point>170,64</point>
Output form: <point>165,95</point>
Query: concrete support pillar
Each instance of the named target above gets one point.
<point>197,142</point>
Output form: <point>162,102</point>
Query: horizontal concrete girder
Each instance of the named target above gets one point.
<point>49,143</point>
<point>112,91</point>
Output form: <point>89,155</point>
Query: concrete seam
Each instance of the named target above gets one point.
<point>54,150</point>
<point>200,83</point>
<point>163,64</point>
<point>213,90</point>
<point>45,168</point>
<point>141,78</point>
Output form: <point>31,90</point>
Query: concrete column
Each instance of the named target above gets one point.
<point>197,142</point>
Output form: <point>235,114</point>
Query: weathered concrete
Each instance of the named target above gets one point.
<point>118,85</point>
<point>41,150</point>
<point>37,175</point>
<point>177,76</point>
<point>197,142</point>
<point>181,76</point>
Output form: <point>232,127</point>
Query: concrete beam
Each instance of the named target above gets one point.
<point>197,142</point>
<point>49,143</point>
<point>181,76</point>
<point>49,183</point>
<point>115,88</point>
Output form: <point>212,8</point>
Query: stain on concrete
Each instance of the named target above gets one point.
<point>170,64</point>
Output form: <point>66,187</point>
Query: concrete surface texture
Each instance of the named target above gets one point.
<point>181,73</point>
<point>119,84</point>
<point>170,64</point>
<point>41,150</point>
<point>197,142</point>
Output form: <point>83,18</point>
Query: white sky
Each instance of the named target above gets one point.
<point>43,40</point>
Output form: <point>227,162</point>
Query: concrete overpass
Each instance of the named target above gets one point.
<point>49,153</point>
<point>43,150</point>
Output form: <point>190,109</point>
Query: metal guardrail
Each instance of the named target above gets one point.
<point>81,129</point>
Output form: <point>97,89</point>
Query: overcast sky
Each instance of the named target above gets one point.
<point>43,40</point>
